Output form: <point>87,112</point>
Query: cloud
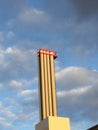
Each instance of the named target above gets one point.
<point>82,38</point>
<point>17,62</point>
<point>56,18</point>
<point>5,125</point>
<point>19,102</point>
<point>77,93</point>
<point>5,113</point>
<point>74,77</point>
<point>58,9</point>
<point>78,20</point>
<point>19,108</point>
<point>7,36</point>
<point>1,37</point>
<point>21,117</point>
<point>65,8</point>
<point>86,8</point>
<point>10,35</point>
<point>34,17</point>
<point>10,8</point>
<point>22,83</point>
<point>16,84</point>
<point>37,20</point>
<point>27,107</point>
<point>57,25</point>
<point>28,92</point>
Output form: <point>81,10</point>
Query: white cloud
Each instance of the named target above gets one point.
<point>74,77</point>
<point>6,111</point>
<point>22,83</point>
<point>21,57</point>
<point>74,92</point>
<point>28,92</point>
<point>4,124</point>
<point>15,84</point>
<point>17,62</point>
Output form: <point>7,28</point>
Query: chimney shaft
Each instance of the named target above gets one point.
<point>47,87</point>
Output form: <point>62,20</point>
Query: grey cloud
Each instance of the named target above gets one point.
<point>64,8</point>
<point>78,20</point>
<point>86,8</point>
<point>32,19</point>
<point>33,16</point>
<point>78,104</point>
<point>74,77</point>
<point>82,38</point>
<point>9,8</point>
<point>57,8</point>
<point>27,107</point>
<point>81,98</point>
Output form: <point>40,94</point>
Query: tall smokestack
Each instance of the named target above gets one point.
<point>47,94</point>
<point>47,87</point>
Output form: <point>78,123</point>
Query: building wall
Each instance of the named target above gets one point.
<point>94,128</point>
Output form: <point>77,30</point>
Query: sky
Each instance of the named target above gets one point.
<point>69,27</point>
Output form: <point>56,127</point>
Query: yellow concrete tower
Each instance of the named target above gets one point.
<point>47,94</point>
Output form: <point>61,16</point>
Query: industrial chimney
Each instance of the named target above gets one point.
<point>47,87</point>
<point>47,94</point>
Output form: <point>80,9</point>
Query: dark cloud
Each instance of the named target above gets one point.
<point>85,8</point>
<point>65,8</point>
<point>85,39</point>
<point>57,8</point>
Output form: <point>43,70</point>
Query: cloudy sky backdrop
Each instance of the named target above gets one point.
<point>69,27</point>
